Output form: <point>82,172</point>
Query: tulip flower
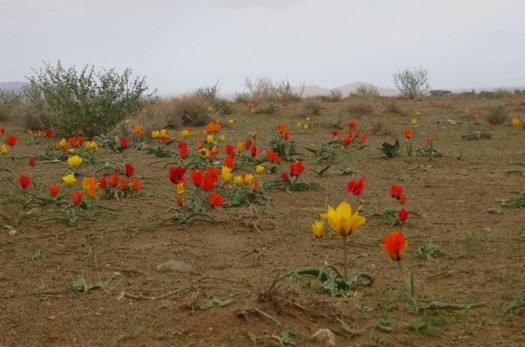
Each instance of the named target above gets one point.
<point>394,245</point>
<point>129,170</point>
<point>356,187</point>
<point>24,181</point>
<point>402,214</point>
<point>318,229</point>
<point>215,200</point>
<point>76,197</point>
<point>69,179</point>
<point>74,161</point>
<point>54,189</point>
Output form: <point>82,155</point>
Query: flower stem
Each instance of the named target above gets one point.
<point>345,253</point>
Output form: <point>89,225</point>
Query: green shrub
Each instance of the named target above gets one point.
<point>492,95</point>
<point>207,92</point>
<point>190,111</point>
<point>90,101</point>
<point>497,115</point>
<point>285,92</point>
<point>440,92</point>
<point>365,90</point>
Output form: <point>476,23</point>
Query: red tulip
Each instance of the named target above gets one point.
<point>10,140</point>
<point>32,161</point>
<point>129,170</point>
<point>24,181</point>
<point>76,197</point>
<point>356,187</point>
<point>176,174</point>
<point>123,142</point>
<point>54,189</point>
<point>215,199</point>
<point>402,214</point>
<point>296,168</point>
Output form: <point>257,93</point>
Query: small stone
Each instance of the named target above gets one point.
<point>12,232</point>
<point>494,210</point>
<point>324,337</point>
<point>175,266</point>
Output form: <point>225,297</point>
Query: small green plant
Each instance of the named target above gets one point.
<point>390,149</point>
<point>430,251</point>
<point>214,302</point>
<point>497,115</point>
<point>517,305</point>
<point>515,202</point>
<point>334,282</point>
<point>478,135</point>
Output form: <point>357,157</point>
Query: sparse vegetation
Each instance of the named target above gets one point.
<point>90,101</point>
<point>412,83</point>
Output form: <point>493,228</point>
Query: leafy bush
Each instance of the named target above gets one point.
<point>207,92</point>
<point>89,101</point>
<point>497,115</point>
<point>493,95</point>
<point>285,92</point>
<point>412,83</point>
<point>242,98</point>
<point>440,92</point>
<point>190,111</point>
<point>365,90</point>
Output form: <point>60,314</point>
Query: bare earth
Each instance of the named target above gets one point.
<point>96,282</point>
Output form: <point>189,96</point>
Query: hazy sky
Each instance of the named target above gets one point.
<point>181,45</point>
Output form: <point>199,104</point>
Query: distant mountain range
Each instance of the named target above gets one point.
<point>315,90</point>
<point>13,86</point>
<point>308,90</point>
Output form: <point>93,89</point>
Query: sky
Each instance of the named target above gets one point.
<point>182,45</point>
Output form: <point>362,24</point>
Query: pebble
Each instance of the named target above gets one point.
<point>175,266</point>
<point>494,210</point>
<point>324,337</point>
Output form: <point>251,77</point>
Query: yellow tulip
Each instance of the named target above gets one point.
<point>185,132</point>
<point>4,149</point>
<point>515,122</point>
<point>210,139</point>
<point>231,121</point>
<point>259,169</point>
<point>342,220</point>
<point>226,174</point>
<point>222,137</point>
<point>74,161</point>
<point>163,133</point>
<point>239,146</point>
<point>248,178</point>
<point>179,188</point>
<point>318,229</point>
<point>69,179</point>
<point>414,121</point>
<point>62,144</point>
<point>237,180</point>
<point>155,134</point>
